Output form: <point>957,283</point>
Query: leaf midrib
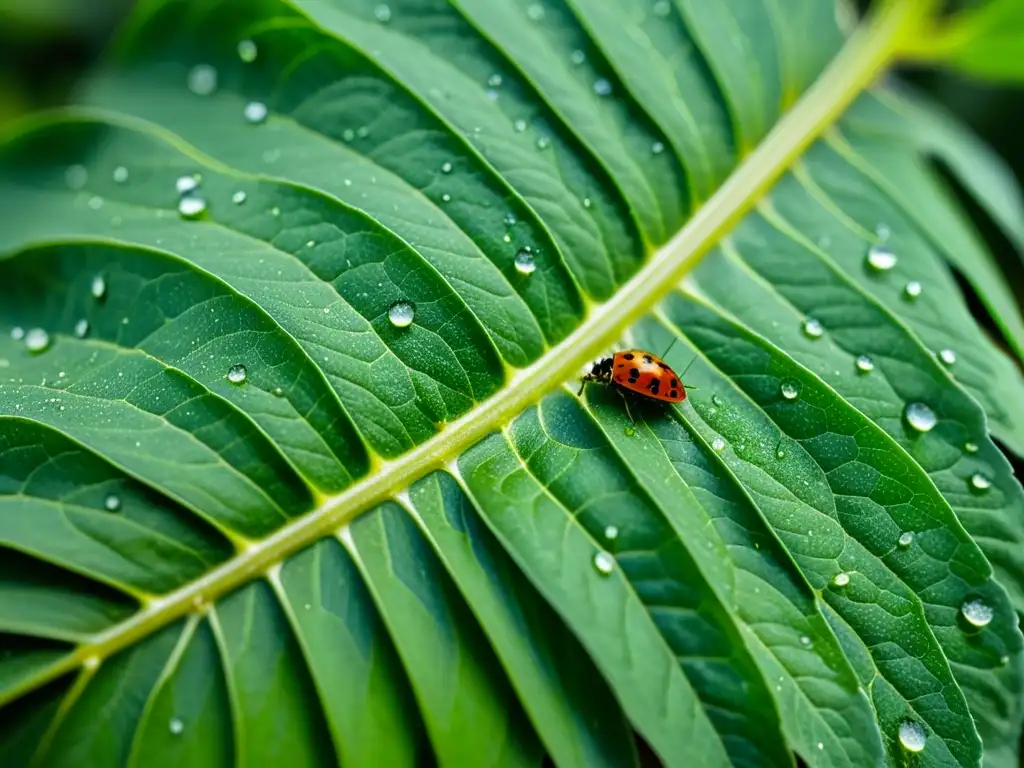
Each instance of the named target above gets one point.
<point>871,48</point>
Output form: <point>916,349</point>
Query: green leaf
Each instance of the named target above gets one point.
<point>295,467</point>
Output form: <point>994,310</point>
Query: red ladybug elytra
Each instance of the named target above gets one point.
<point>639,372</point>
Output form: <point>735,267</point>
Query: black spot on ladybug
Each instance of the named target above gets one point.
<point>662,366</point>
<point>628,355</point>
<point>647,359</point>
<point>632,381</point>
<point>673,393</point>
<point>634,373</point>
<point>654,385</point>
<point>674,383</point>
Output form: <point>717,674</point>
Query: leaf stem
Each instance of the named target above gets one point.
<point>872,47</point>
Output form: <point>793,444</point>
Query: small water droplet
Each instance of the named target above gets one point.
<point>494,80</point>
<point>980,482</point>
<point>543,142</point>
<point>812,328</point>
<point>865,364</point>
<point>519,125</point>
<point>247,51</point>
<point>202,79</point>
<point>535,12</point>
<point>841,579</point>
<point>446,198</point>
<point>17,333</point>
<point>587,202</point>
<point>604,563</point>
<point>611,532</point>
<point>912,736</point>
<point>76,176</point>
<point>525,264</point>
<point>112,503</point>
<point>237,374</point>
<point>95,202</point>
<point>947,356</point>
<point>510,219</point>
<point>602,86</point>
<point>382,13</point>
<point>176,726</point>
<point>277,392</point>
<point>881,258</point>
<point>882,231</point>
<point>805,640</point>
<point>186,184</point>
<point>446,167</point>
<point>906,539</point>
<point>718,444</point>
<point>37,340</point>
<point>971,447</point>
<point>238,198</point>
<point>82,328</point>
<point>98,287</point>
<point>120,174</point>
<point>912,290</point>
<point>657,147</point>
<point>191,207</point>
<point>920,417</point>
<point>577,57</point>
<point>275,211</point>
<point>790,389</point>
<point>401,314</point>
<point>780,454</point>
<point>255,112</point>
<point>977,612</point>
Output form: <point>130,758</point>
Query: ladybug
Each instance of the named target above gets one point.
<point>636,372</point>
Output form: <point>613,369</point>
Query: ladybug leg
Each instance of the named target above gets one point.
<point>583,383</point>
<point>625,401</point>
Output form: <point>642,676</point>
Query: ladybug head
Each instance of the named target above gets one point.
<point>601,370</point>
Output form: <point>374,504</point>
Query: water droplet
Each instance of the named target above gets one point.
<point>120,174</point>
<point>76,176</point>
<point>780,454</point>
<point>657,147</point>
<point>881,258</point>
<point>238,198</point>
<point>277,392</point>
<point>247,51</point>
<point>543,142</point>
<point>977,612</point>
<point>718,444</point>
<point>525,265</point>
<point>920,417</point>
<point>912,736</point>
<point>17,333</point>
<point>510,219</point>
<point>535,12</point>
<point>191,207</point>
<point>112,503</point>
<point>906,539</point>
<point>275,211</point>
<point>186,184</point>
<point>587,202</point>
<point>661,8</point>
<point>255,112</point>
<point>865,364</point>
<point>176,726</point>
<point>611,532</point>
<point>237,374</point>
<point>812,328</point>
<point>980,483</point>
<point>494,80</point>
<point>971,447</point>
<point>98,288</point>
<point>882,231</point>
<point>577,57</point>
<point>602,87</point>
<point>95,202</point>
<point>604,563</point>
<point>446,198</point>
<point>841,579</point>
<point>805,640</point>
<point>82,328</point>
<point>401,314</point>
<point>202,79</point>
<point>519,125</point>
<point>446,167</point>
<point>790,389</point>
<point>947,356</point>
<point>37,340</point>
<point>382,13</point>
<point>912,290</point>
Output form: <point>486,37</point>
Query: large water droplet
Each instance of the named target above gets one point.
<point>912,736</point>
<point>238,198</point>
<point>176,727</point>
<point>112,503</point>
<point>401,314</point>
<point>382,13</point>
<point>37,340</point>
<point>98,287</point>
<point>202,79</point>
<point>186,184</point>
<point>255,112</point>
<point>525,264</point>
<point>841,579</point>
<point>602,86</point>
<point>920,417</point>
<point>947,356</point>
<point>247,51</point>
<point>604,563</point>
<point>611,533</point>
<point>906,539</point>
<point>191,207</point>
<point>82,328</point>
<point>865,364</point>
<point>790,389</point>
<point>237,374</point>
<point>120,174</point>
<point>912,290</point>
<point>881,258</point>
<point>812,328</point>
<point>980,482</point>
<point>977,613</point>
<point>76,176</point>
<point>718,444</point>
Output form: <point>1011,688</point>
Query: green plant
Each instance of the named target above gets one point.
<point>289,471</point>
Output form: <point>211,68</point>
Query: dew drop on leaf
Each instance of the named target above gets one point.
<point>906,539</point>
<point>912,290</point>
<point>865,364</point>
<point>525,264</point>
<point>971,447</point>
<point>191,207</point>
<point>980,483</point>
<point>519,125</point>
<point>805,640</point>
<point>95,202</point>
<point>277,392</point>
<point>446,198</point>
<point>176,726</point>
<point>186,184</point>
<point>912,736</point>
<point>510,219</point>
<point>920,417</point>
<point>37,340</point>
<point>604,563</point>
<point>947,356</point>
<point>82,328</point>
<point>881,258</point>
<point>577,57</point>
<point>76,176</point>
<point>446,167</point>
<point>543,142</point>
<point>790,389</point>
<point>611,533</point>
<point>17,333</point>
<point>494,80</point>
<point>382,13</point>
<point>882,231</point>
<point>247,51</point>
<point>238,198</point>
<point>98,287</point>
<point>587,202</point>
<point>237,374</point>
<point>120,174</point>
<point>401,314</point>
<point>112,503</point>
<point>202,79</point>
<point>255,112</point>
<point>977,613</point>
<point>657,147</point>
<point>812,328</point>
<point>718,444</point>
<point>602,87</point>
<point>841,579</point>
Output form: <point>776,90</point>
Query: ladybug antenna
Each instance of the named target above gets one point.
<point>669,349</point>
<point>692,360</point>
